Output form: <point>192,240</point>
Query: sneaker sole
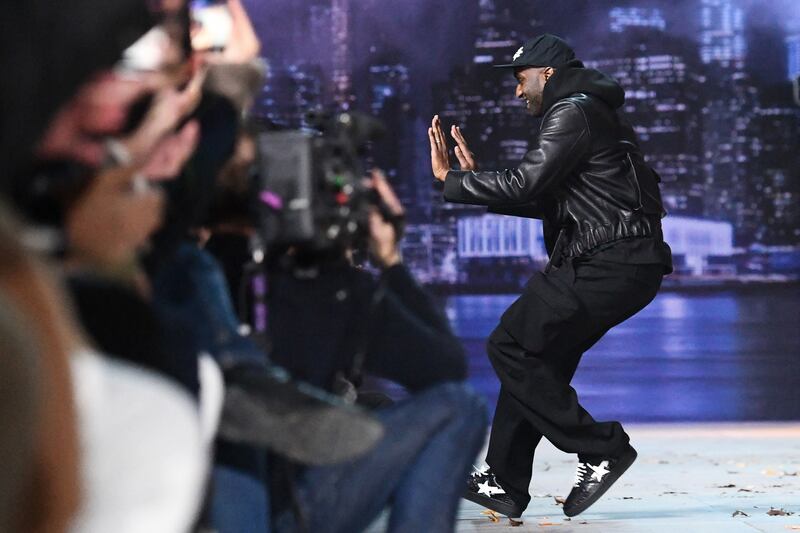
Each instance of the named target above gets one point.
<point>508,510</point>
<point>621,468</point>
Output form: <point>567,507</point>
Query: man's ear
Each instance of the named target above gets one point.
<point>549,71</point>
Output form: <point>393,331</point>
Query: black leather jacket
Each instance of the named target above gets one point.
<point>585,176</point>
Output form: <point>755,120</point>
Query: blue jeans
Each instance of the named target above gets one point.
<point>239,502</point>
<point>191,289</point>
<point>418,469</point>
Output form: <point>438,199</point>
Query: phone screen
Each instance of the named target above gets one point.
<point>212,25</point>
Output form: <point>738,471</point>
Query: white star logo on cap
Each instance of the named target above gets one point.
<point>518,53</point>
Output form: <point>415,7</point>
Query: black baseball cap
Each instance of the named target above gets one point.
<point>543,51</point>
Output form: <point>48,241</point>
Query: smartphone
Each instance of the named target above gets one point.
<point>212,25</point>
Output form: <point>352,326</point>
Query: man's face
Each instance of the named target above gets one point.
<point>530,86</point>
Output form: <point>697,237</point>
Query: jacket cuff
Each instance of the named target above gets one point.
<point>452,186</point>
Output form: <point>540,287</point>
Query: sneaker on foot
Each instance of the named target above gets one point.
<point>484,489</point>
<point>594,478</point>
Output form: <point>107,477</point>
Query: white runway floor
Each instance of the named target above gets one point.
<point>688,479</point>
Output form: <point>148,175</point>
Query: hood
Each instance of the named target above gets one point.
<point>47,49</point>
<point>575,78</point>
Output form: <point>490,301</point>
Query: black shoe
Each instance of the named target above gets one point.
<point>483,489</point>
<point>594,478</point>
<point>264,408</point>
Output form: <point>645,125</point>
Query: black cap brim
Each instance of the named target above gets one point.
<point>518,65</point>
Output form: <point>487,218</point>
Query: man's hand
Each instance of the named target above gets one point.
<point>383,245</point>
<point>465,157</point>
<point>440,160</point>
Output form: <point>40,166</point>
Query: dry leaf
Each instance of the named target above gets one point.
<point>740,513</point>
<point>778,512</point>
<point>546,524</point>
<point>494,517</point>
<point>728,486</point>
<point>514,523</point>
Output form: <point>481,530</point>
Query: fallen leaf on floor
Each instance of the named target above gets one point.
<point>514,523</point>
<point>559,500</point>
<point>796,528</point>
<point>728,486</point>
<point>745,490</point>
<point>740,513</point>
<point>546,524</point>
<point>494,517</point>
<point>778,512</point>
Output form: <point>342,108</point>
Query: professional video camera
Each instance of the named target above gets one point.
<point>311,190</point>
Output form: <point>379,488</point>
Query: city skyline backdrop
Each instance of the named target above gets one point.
<point>708,91</point>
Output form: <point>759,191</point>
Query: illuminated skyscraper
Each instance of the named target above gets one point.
<point>661,76</point>
<point>776,189</point>
<point>340,25</point>
<point>793,56</point>
<point>623,18</point>
<point>290,92</point>
<point>729,129</point>
<point>722,33</point>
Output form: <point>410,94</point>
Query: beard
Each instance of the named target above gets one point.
<point>534,104</point>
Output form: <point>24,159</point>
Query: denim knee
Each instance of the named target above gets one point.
<point>465,403</point>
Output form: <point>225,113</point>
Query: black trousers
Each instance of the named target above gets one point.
<point>535,351</point>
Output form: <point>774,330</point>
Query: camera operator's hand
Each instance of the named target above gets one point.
<point>113,219</point>
<point>383,241</point>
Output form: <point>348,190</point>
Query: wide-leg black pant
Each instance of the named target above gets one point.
<point>535,351</point>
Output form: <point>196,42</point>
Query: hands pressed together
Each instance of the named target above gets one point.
<point>440,157</point>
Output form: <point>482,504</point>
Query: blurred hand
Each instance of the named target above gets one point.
<point>100,108</point>
<point>171,155</point>
<point>113,219</point>
<point>440,160</point>
<point>383,245</point>
<point>466,159</point>
<point>169,108</point>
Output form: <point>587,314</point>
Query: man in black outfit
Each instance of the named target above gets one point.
<point>586,178</point>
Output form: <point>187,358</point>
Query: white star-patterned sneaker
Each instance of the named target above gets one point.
<point>484,489</point>
<point>594,478</point>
